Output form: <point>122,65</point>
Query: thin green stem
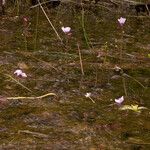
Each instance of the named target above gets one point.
<point>25,41</point>
<point>124,86</point>
<point>36,29</point>
<point>121,45</point>
<point>17,3</point>
<point>134,80</point>
<point>83,27</point>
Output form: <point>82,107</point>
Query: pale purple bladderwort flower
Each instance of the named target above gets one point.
<point>122,21</point>
<point>24,75</point>
<point>66,30</point>
<point>20,73</point>
<point>119,100</point>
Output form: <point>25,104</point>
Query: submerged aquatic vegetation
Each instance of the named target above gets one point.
<point>134,108</point>
<point>69,118</point>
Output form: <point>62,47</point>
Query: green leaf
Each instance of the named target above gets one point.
<point>134,108</point>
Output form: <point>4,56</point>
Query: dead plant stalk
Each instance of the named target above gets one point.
<point>50,21</point>
<point>80,57</point>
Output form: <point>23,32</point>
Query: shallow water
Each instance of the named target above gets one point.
<point>70,120</point>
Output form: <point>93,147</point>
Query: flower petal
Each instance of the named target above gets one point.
<point>121,20</point>
<point>18,72</point>
<point>23,75</point>
<point>119,100</point>
<point>87,94</point>
<point>66,29</point>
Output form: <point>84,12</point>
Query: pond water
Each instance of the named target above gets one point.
<point>85,61</point>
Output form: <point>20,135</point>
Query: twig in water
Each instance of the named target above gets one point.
<point>36,134</point>
<point>91,99</point>
<point>31,98</point>
<point>50,22</point>
<point>18,82</point>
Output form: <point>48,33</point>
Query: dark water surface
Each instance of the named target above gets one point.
<point>70,121</point>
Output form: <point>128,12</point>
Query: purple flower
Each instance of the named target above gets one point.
<point>19,73</point>
<point>119,100</point>
<point>66,29</point>
<point>122,21</point>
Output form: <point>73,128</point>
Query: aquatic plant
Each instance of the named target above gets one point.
<point>82,21</point>
<point>134,108</point>
<point>49,21</point>
<point>119,100</point>
<point>66,30</point>
<point>122,21</point>
<point>31,97</point>
<point>119,71</point>
<point>36,28</point>
<point>20,73</point>
<point>88,95</point>
<point>105,54</point>
<point>16,81</point>
<point>26,24</point>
